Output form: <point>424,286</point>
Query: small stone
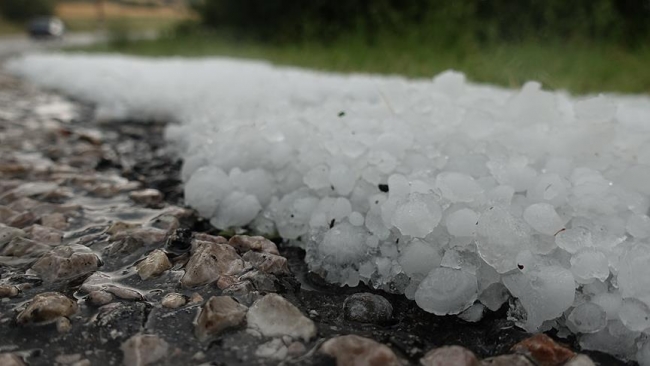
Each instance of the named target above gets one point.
<point>66,262</point>
<point>173,300</point>
<point>261,281</point>
<point>273,349</point>
<point>209,261</point>
<point>148,197</point>
<point>507,360</point>
<point>124,293</point>
<point>195,298</point>
<point>22,220</point>
<point>274,316</point>
<point>55,221</point>
<point>8,291</point>
<point>68,359</point>
<point>45,235</point>
<point>99,298</point>
<point>63,325</point>
<point>47,307</point>
<point>144,349</point>
<point>367,308</point>
<point>449,356</point>
<point>8,233</point>
<point>199,356</point>
<point>352,350</point>
<point>84,362</point>
<point>544,350</point>
<point>153,265</point>
<point>244,243</point>
<point>10,359</point>
<point>21,247</point>
<point>179,241</point>
<point>267,263</point>
<point>211,238</point>
<point>217,315</point>
<point>580,360</point>
<point>296,349</point>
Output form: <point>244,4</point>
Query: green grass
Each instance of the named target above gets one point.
<point>132,24</point>
<point>7,28</point>
<point>577,67</point>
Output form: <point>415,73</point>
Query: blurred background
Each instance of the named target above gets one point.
<point>584,46</point>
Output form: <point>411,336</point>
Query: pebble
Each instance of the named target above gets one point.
<point>8,233</point>
<point>99,298</point>
<point>147,197</point>
<point>208,262</point>
<point>8,291</point>
<point>144,349</point>
<point>10,359</point>
<point>68,359</point>
<point>154,264</point>
<point>296,349</point>
<point>179,241</point>
<point>267,263</point>
<point>274,316</point>
<point>173,300</point>
<point>544,350</point>
<point>55,221</point>
<point>449,356</point>
<point>367,308</point>
<point>63,325</point>
<point>580,360</point>
<point>195,298</point>
<point>507,360</point>
<point>244,243</point>
<point>45,235</point>
<point>66,262</point>
<point>47,307</point>
<point>353,350</point>
<point>219,314</point>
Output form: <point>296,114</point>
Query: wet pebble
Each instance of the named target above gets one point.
<point>544,350</point>
<point>274,316</point>
<point>154,264</point>
<point>449,356</point>
<point>147,197</point>
<point>367,308</point>
<point>173,300</point>
<point>267,263</point>
<point>352,350</point>
<point>580,360</point>
<point>47,307</point>
<point>144,349</point>
<point>8,291</point>
<point>219,314</point>
<point>507,360</point>
<point>209,261</point>
<point>8,233</point>
<point>63,325</point>
<point>10,359</point>
<point>274,349</point>
<point>179,241</point>
<point>244,243</point>
<point>66,262</point>
<point>99,298</point>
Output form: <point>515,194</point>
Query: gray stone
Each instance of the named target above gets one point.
<point>580,360</point>
<point>173,300</point>
<point>274,316</point>
<point>209,261</point>
<point>99,298</point>
<point>507,360</point>
<point>219,314</point>
<point>367,308</point>
<point>66,262</point>
<point>449,356</point>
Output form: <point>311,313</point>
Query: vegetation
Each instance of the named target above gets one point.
<point>22,10</point>
<point>580,67</point>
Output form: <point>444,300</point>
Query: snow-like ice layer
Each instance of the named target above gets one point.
<point>452,193</point>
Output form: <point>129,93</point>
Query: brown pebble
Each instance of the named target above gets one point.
<point>63,325</point>
<point>47,307</point>
<point>8,291</point>
<point>544,350</point>
<point>154,264</point>
<point>352,350</point>
<point>507,360</point>
<point>208,262</point>
<point>296,349</point>
<point>146,197</point>
<point>99,298</point>
<point>244,243</point>
<point>144,349</point>
<point>195,298</point>
<point>219,314</point>
<point>10,359</point>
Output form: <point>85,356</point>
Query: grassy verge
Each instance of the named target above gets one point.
<point>7,28</point>
<point>579,68</point>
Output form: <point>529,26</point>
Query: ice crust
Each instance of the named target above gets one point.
<point>461,196</point>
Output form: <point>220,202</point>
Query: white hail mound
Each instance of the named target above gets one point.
<point>448,192</point>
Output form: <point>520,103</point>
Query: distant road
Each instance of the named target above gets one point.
<point>14,45</point>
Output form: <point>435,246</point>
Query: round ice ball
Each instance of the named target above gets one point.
<point>447,291</point>
<point>587,318</point>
